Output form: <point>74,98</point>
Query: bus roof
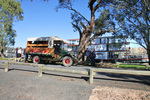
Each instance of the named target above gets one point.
<point>46,39</point>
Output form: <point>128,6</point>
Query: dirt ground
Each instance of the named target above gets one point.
<point>112,93</point>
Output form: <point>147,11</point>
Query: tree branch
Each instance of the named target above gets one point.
<point>143,36</point>
<point>143,32</point>
<point>77,27</point>
<point>142,45</point>
<point>68,5</point>
<point>147,4</point>
<point>83,25</point>
<point>91,4</point>
<point>80,15</point>
<point>97,6</point>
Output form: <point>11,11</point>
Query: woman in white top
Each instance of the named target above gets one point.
<point>20,52</point>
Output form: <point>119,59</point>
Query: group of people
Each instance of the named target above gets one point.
<point>21,53</point>
<point>90,56</point>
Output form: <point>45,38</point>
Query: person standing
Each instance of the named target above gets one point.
<point>16,52</point>
<point>87,54</point>
<point>93,55</point>
<point>25,56</point>
<point>20,52</point>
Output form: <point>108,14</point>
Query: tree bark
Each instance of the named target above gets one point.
<point>83,45</point>
<point>2,52</point>
<point>85,37</point>
<point>2,55</point>
<point>149,58</point>
<point>148,53</point>
<point>88,30</point>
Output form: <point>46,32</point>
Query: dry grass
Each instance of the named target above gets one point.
<point>112,93</point>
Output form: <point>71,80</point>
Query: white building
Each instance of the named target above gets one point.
<point>105,47</point>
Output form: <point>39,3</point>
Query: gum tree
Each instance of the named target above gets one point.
<point>87,27</point>
<point>10,12</point>
<point>133,19</point>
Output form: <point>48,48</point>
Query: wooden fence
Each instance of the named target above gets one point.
<point>91,72</point>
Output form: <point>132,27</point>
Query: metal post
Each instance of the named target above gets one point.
<point>118,64</point>
<point>146,66</point>
<point>102,58</point>
<point>91,76</point>
<point>6,66</point>
<point>40,70</point>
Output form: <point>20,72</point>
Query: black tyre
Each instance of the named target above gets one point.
<point>67,61</point>
<point>36,59</point>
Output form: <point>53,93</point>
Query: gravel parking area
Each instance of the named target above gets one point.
<point>24,85</point>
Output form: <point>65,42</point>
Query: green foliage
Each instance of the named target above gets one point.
<point>1,58</point>
<point>10,12</point>
<point>104,22</point>
<point>132,66</point>
<point>132,18</point>
<point>127,66</point>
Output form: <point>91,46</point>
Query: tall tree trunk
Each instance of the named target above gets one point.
<point>83,45</point>
<point>81,48</point>
<point>2,46</point>
<point>88,30</point>
<point>2,55</point>
<point>149,58</point>
<point>85,37</point>
<point>148,53</point>
<point>2,52</point>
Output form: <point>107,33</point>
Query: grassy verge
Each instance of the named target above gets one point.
<point>132,66</point>
<point>5,59</point>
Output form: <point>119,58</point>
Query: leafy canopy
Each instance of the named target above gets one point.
<point>132,19</point>
<point>10,12</point>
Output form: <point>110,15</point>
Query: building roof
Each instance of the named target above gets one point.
<point>46,39</point>
<point>99,37</point>
<point>72,39</point>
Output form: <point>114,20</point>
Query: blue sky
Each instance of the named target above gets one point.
<point>42,20</point>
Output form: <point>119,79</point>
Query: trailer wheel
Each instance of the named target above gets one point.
<point>67,61</point>
<point>36,59</point>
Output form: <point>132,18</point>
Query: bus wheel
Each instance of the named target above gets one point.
<point>36,59</point>
<point>67,61</point>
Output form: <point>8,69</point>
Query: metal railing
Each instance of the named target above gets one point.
<point>91,72</point>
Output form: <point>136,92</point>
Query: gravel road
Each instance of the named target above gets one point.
<point>23,83</point>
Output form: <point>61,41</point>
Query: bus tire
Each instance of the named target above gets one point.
<point>36,59</point>
<point>67,61</point>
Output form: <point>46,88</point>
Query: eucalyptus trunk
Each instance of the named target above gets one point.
<point>2,52</point>
<point>82,47</point>
<point>86,34</point>
<point>148,53</point>
<point>149,58</point>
